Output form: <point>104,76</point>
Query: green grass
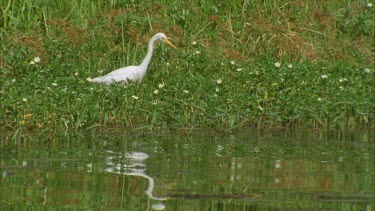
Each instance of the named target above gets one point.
<point>223,74</point>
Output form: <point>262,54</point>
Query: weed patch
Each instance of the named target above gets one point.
<point>276,64</point>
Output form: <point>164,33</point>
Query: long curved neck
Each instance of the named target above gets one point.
<point>147,59</point>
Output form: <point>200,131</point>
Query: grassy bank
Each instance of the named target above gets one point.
<point>238,64</point>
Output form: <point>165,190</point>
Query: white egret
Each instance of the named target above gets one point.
<point>133,73</point>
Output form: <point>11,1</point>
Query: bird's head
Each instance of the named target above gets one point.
<point>163,37</point>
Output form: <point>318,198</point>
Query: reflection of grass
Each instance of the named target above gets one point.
<point>278,64</point>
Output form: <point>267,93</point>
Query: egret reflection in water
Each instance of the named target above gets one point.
<point>135,166</point>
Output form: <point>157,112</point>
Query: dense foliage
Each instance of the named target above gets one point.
<point>238,64</point>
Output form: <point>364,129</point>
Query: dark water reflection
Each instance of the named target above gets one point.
<point>252,171</point>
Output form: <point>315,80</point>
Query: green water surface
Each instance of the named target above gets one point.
<point>249,171</point>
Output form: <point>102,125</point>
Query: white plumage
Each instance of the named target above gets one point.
<point>133,73</point>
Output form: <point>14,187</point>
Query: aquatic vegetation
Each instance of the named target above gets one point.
<point>264,65</point>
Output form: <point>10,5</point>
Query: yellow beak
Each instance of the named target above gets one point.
<point>169,43</point>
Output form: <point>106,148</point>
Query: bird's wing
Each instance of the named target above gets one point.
<point>122,74</point>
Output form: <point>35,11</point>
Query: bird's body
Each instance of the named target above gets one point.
<point>133,73</point>
<point>123,74</point>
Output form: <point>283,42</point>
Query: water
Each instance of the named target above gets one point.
<point>250,171</point>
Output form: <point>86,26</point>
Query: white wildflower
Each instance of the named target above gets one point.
<point>290,66</point>
<point>161,85</point>
<point>219,81</point>
<point>217,90</point>
<point>135,97</point>
<point>277,64</point>
<point>324,76</point>
<point>239,69</point>
<point>24,99</point>
<point>369,4</point>
<point>341,88</point>
<point>156,91</point>
<point>367,70</point>
<point>35,60</point>
<point>260,108</point>
<point>319,99</point>
<point>277,164</point>
<point>342,80</point>
<point>193,43</point>
<point>54,84</point>
<point>232,62</point>
<point>186,91</point>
